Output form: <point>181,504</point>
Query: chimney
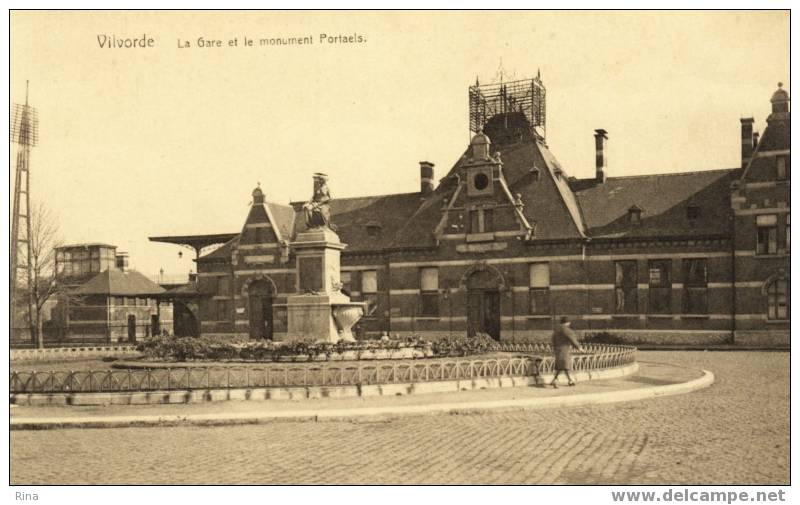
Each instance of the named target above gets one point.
<point>601,154</point>
<point>747,140</point>
<point>425,177</point>
<point>122,261</point>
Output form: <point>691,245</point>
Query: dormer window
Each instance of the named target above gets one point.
<point>635,214</point>
<point>373,229</point>
<point>780,168</point>
<point>692,212</point>
<point>535,173</point>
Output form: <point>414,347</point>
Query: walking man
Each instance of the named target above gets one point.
<point>563,341</point>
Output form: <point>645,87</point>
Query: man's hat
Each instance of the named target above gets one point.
<point>564,319</point>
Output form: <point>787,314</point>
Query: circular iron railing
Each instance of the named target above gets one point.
<point>539,360</point>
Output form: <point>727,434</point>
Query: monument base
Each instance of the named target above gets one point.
<point>321,318</point>
<point>323,314</point>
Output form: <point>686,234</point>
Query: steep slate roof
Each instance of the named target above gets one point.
<point>663,198</point>
<point>387,213</point>
<point>560,207</point>
<point>548,200</point>
<point>564,208</point>
<point>284,216</point>
<point>186,290</point>
<point>117,282</point>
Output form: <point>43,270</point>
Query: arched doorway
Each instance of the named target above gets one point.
<point>259,305</point>
<point>184,320</point>
<point>483,285</point>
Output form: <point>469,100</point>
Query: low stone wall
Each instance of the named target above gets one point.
<point>765,338</point>
<point>67,353</point>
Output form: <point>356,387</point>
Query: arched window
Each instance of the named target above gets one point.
<point>778,299</point>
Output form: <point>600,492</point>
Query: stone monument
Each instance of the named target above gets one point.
<point>320,312</point>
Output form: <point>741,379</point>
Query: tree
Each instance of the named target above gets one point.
<point>43,241</point>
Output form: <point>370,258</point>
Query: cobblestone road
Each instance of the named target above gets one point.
<point>737,431</point>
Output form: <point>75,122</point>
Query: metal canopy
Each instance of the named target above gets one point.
<point>196,242</point>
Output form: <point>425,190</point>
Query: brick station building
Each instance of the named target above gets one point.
<point>104,301</point>
<point>507,242</point>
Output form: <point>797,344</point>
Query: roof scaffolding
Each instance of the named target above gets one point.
<point>527,96</point>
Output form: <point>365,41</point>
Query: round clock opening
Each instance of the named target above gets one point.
<point>481,181</point>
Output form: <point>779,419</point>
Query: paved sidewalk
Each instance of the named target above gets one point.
<point>652,379</point>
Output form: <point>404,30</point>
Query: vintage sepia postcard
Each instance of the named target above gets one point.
<point>401,248</point>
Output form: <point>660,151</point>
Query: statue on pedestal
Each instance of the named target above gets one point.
<point>318,210</point>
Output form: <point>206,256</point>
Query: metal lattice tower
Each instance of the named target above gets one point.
<point>24,132</point>
<point>527,96</point>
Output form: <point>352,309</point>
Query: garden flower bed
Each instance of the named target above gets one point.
<point>184,349</point>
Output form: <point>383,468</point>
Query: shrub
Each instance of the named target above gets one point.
<point>462,345</point>
<point>603,337</point>
<point>171,348</point>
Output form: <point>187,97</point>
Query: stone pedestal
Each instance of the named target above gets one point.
<point>320,312</point>
<point>317,252</point>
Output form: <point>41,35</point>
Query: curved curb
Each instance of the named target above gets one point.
<point>706,380</point>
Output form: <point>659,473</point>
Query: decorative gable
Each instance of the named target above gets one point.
<point>260,240</point>
<point>482,207</point>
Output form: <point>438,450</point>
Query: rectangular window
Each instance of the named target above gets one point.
<point>778,300</point>
<point>488,220</point>
<point>780,168</point>
<point>222,310</point>
<point>695,286</point>
<point>369,281</point>
<point>223,285</point>
<point>660,284</point>
<point>539,289</point>
<point>429,292</point>
<point>474,223</point>
<point>369,288</point>
<point>626,288</point>
<point>767,234</point>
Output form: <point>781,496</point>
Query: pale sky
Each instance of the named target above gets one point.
<point>158,141</point>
